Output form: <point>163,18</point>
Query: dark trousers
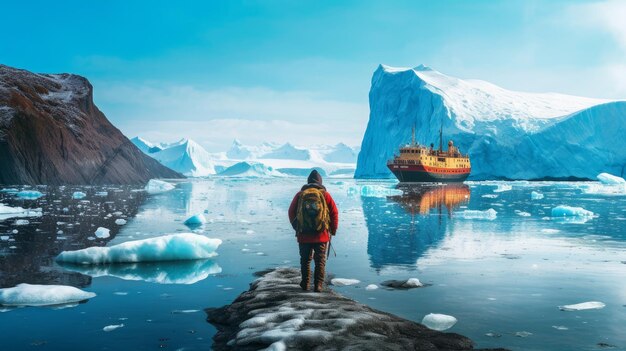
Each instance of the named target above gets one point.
<point>317,252</point>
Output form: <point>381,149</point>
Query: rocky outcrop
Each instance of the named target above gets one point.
<point>276,314</point>
<point>51,132</point>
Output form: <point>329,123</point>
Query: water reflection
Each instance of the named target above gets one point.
<point>401,228</point>
<point>27,250</point>
<point>179,272</point>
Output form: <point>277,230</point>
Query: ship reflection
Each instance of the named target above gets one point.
<point>401,228</point>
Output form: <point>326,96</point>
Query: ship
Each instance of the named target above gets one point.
<point>418,163</point>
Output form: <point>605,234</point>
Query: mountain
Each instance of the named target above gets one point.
<point>341,153</point>
<point>288,152</point>
<point>508,134</point>
<point>185,156</point>
<point>51,132</point>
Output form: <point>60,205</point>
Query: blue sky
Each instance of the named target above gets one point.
<point>300,71</point>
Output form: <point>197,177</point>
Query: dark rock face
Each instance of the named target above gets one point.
<point>52,133</point>
<point>276,314</point>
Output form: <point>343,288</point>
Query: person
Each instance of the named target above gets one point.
<point>314,216</point>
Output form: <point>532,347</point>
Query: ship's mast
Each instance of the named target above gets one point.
<point>441,137</point>
<point>413,136</point>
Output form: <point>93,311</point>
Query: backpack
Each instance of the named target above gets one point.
<point>312,214</point>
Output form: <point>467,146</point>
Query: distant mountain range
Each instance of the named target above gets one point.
<point>267,159</point>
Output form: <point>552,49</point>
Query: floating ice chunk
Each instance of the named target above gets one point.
<point>29,194</point>
<point>523,334</point>
<point>371,287</point>
<point>184,311</point>
<point>42,295</point>
<point>9,190</point>
<point>120,221</point>
<point>490,196</point>
<point>21,222</point>
<point>7,212</point>
<point>110,328</point>
<point>522,213</point>
<point>590,305</point>
<point>489,214</point>
<point>560,327</point>
<point>175,247</point>
<point>195,220</point>
<point>4,237</point>
<point>344,281</point>
<point>179,272</point>
<point>568,211</point>
<point>550,231</point>
<point>156,186</point>
<point>102,233</point>
<point>102,193</point>
<point>373,191</point>
<point>610,179</point>
<point>502,187</point>
<point>403,284</point>
<point>439,322</point>
<point>78,195</point>
<point>535,195</point>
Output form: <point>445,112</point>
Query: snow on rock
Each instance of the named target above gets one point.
<point>590,305</point>
<point>42,295</point>
<point>507,134</point>
<point>277,314</point>
<point>78,195</point>
<point>156,186</point>
<point>536,196</point>
<point>102,233</point>
<point>439,322</point>
<point>29,194</point>
<point>7,212</point>
<point>174,247</point>
<point>344,281</point>
<point>195,220</point>
<point>610,179</point>
<point>179,272</point>
<point>489,214</point>
<point>372,190</point>
<point>403,284</point>
<point>569,211</point>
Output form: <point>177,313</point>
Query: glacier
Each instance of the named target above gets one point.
<point>508,134</point>
<point>174,247</point>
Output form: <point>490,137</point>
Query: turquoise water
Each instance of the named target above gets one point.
<point>503,279</point>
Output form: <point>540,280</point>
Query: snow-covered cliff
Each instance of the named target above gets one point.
<point>508,134</point>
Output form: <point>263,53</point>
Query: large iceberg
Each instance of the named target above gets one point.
<point>42,295</point>
<point>7,212</point>
<point>507,134</point>
<point>185,156</point>
<point>175,247</point>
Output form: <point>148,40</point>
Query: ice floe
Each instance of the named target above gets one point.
<point>609,179</point>
<point>372,190</point>
<point>174,247</point>
<point>120,221</point>
<point>110,328</point>
<point>77,195</point>
<point>29,194</point>
<point>344,281</point>
<point>156,186</point>
<point>502,188</point>
<point>42,295</point>
<point>7,212</point>
<point>371,287</point>
<point>102,233</point>
<point>608,185</point>
<point>489,214</point>
<point>569,211</point>
<point>195,220</point>
<point>178,272</point>
<point>589,305</point>
<point>535,195</point>
<point>438,321</point>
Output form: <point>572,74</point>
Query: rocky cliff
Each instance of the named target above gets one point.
<point>51,132</point>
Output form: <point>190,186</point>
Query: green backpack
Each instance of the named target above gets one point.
<point>312,214</point>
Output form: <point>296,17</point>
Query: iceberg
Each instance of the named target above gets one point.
<point>78,195</point>
<point>609,185</point>
<point>508,134</point>
<point>195,220</point>
<point>29,194</point>
<point>535,195</point>
<point>112,327</point>
<point>102,233</point>
<point>7,212</point>
<point>186,157</point>
<point>178,272</point>
<point>174,247</point>
<point>610,179</point>
<point>439,322</point>
<point>249,169</point>
<point>344,281</point>
<point>590,305</point>
<point>502,187</point>
<point>489,214</point>
<point>568,211</point>
<point>156,186</point>
<point>42,295</point>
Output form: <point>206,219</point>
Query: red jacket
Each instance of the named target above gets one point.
<point>321,237</point>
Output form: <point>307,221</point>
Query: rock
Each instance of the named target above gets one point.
<point>410,283</point>
<point>277,314</point>
<point>51,132</point>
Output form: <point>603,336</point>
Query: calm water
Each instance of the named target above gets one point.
<point>503,279</point>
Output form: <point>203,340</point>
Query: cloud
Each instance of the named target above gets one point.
<point>214,117</point>
<point>608,16</point>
